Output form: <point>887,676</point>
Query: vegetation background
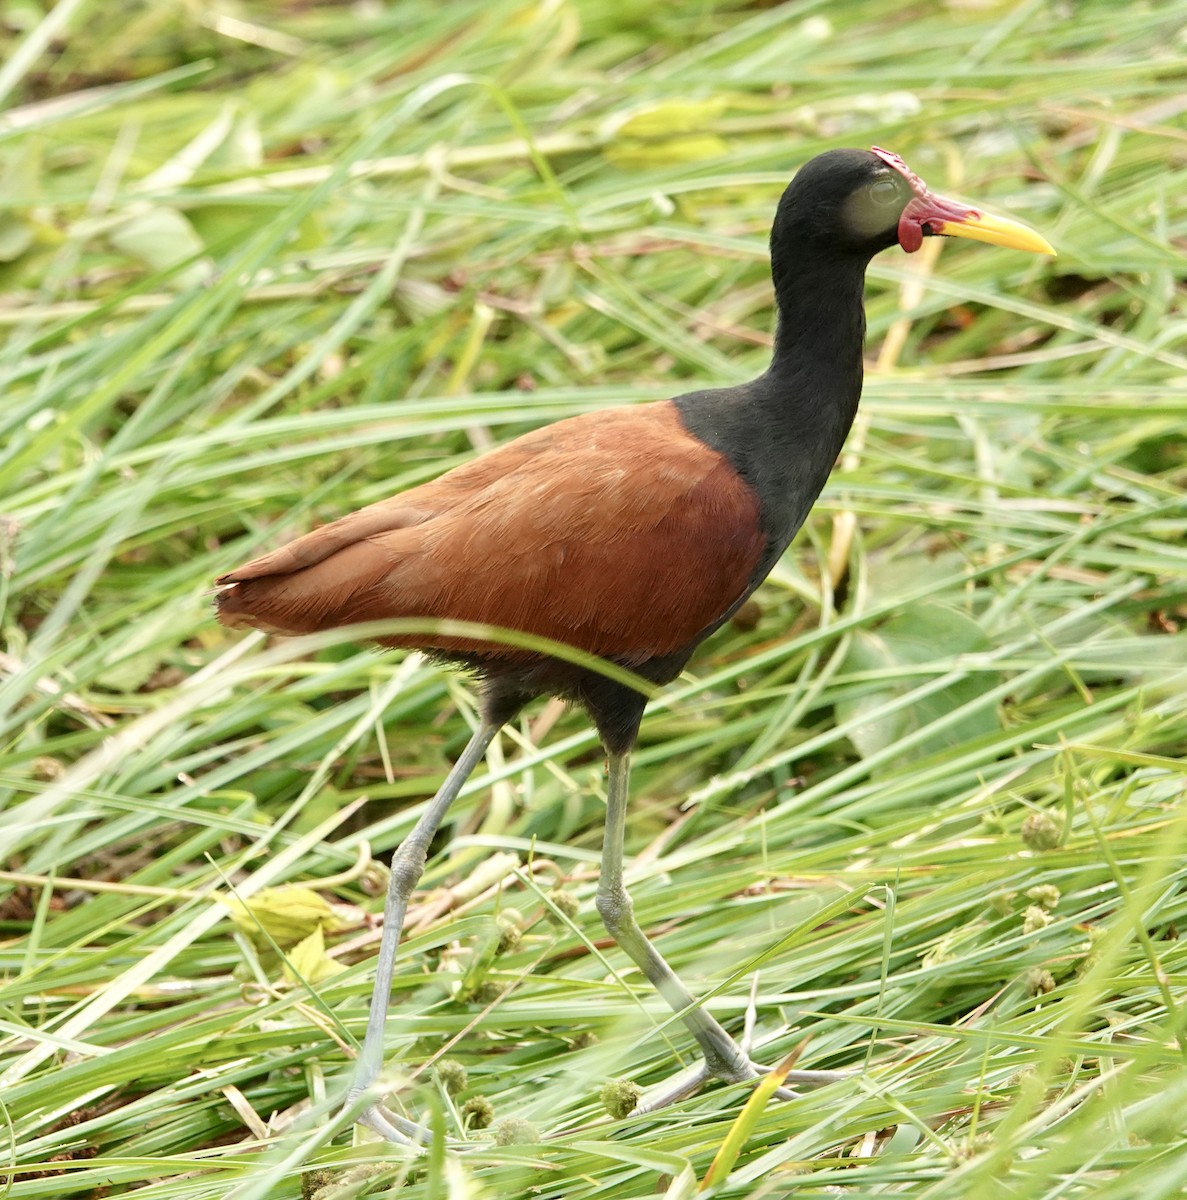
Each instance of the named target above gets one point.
<point>265,262</point>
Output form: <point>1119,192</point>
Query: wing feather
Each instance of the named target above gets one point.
<point>617,532</point>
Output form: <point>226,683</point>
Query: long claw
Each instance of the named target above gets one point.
<point>674,1089</point>
<point>393,1128</point>
<point>751,1018</point>
<point>685,1083</point>
<point>819,1078</point>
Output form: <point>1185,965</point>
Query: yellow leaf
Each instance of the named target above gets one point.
<point>688,148</point>
<point>308,960</point>
<point>286,914</point>
<point>672,131</point>
<point>671,117</point>
<point>728,1151</point>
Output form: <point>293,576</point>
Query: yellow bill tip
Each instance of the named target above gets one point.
<point>997,231</point>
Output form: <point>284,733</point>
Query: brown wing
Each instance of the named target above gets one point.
<point>617,532</point>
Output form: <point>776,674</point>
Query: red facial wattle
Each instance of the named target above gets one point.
<point>928,214</point>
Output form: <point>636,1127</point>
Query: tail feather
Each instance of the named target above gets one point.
<point>326,541</point>
<point>342,589</point>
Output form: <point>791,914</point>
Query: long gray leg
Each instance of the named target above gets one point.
<point>723,1056</point>
<point>408,865</point>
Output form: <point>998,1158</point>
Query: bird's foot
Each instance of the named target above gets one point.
<point>724,1059</point>
<point>731,1061</point>
<point>688,1082</point>
<point>389,1125</point>
<point>674,1089</point>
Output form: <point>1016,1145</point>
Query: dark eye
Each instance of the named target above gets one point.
<point>884,191</point>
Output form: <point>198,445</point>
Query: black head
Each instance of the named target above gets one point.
<point>847,203</point>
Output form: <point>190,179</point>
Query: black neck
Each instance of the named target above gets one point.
<point>821,320</point>
<point>809,393</point>
<point>783,430</point>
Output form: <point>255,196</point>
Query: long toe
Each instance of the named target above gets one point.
<point>819,1078</point>
<point>673,1089</point>
<point>731,1067</point>
<point>392,1127</point>
<point>688,1082</point>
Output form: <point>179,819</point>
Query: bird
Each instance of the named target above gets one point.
<point>630,534</point>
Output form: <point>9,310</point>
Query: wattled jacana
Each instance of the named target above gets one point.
<point>631,534</point>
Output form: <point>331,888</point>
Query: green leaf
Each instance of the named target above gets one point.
<point>241,147</point>
<point>928,633</point>
<point>683,1185</point>
<point>162,238</point>
<point>15,237</point>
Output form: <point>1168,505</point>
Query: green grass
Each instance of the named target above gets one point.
<point>265,263</point>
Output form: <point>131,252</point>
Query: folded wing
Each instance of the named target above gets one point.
<point>617,532</point>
